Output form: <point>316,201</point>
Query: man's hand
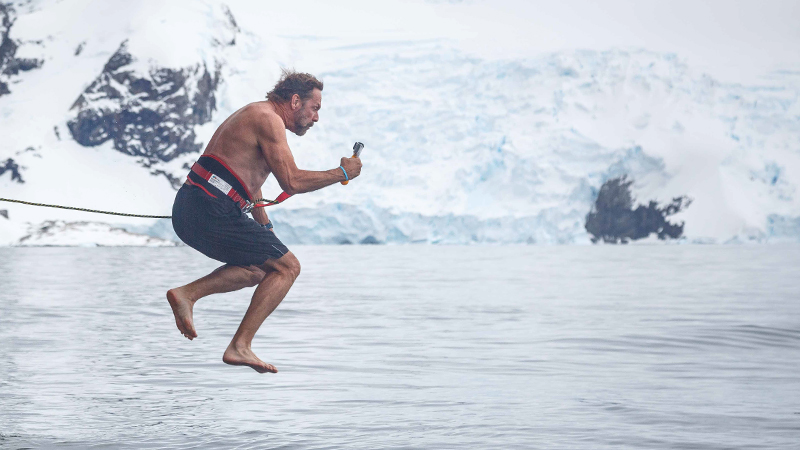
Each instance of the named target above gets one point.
<point>352,166</point>
<point>260,216</point>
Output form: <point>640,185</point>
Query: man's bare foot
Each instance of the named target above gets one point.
<point>246,357</point>
<point>182,307</point>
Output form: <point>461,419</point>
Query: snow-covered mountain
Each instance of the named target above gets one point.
<point>118,98</point>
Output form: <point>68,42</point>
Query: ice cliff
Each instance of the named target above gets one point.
<point>458,149</point>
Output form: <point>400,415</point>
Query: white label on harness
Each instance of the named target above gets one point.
<point>220,184</point>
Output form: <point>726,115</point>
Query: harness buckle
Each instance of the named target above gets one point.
<point>248,206</point>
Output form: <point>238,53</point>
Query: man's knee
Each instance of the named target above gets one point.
<point>292,264</point>
<point>287,265</point>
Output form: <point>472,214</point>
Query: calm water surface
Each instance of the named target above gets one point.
<point>637,347</point>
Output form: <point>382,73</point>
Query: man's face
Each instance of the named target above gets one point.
<point>306,112</point>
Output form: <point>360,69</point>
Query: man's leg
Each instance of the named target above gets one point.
<point>280,275</point>
<point>224,279</point>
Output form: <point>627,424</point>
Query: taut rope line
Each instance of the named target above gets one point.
<point>84,209</point>
<point>258,205</point>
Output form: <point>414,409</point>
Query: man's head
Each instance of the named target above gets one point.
<point>300,94</point>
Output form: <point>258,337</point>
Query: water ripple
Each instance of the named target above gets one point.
<point>409,347</point>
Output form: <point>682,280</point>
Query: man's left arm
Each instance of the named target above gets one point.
<point>259,214</point>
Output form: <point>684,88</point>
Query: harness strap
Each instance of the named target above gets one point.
<point>280,199</point>
<point>245,205</point>
<point>223,186</point>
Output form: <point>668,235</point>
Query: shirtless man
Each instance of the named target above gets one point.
<point>209,213</point>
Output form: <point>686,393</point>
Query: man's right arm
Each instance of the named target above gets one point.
<point>275,149</point>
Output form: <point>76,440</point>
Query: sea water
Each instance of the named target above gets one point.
<point>423,347</point>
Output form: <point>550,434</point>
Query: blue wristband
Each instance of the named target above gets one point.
<point>346,178</point>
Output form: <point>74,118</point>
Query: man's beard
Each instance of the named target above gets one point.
<point>301,130</point>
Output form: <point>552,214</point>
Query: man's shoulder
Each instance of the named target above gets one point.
<point>264,119</point>
<point>261,111</point>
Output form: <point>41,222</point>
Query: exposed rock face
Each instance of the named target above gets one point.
<point>11,66</point>
<point>614,220</point>
<point>10,166</point>
<point>4,213</point>
<point>151,115</point>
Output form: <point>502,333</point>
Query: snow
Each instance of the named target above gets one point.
<point>459,148</point>
<point>86,234</point>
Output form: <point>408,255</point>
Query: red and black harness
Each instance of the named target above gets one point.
<point>211,173</point>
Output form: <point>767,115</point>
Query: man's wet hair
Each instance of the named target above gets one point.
<point>291,83</point>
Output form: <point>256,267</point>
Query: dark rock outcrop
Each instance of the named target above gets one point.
<point>231,25</point>
<point>4,213</point>
<point>11,66</point>
<point>10,166</point>
<point>614,220</point>
<point>150,115</point>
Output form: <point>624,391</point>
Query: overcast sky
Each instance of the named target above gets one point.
<point>733,40</point>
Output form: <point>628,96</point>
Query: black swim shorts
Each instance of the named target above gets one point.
<point>211,222</point>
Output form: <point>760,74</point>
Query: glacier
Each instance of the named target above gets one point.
<point>459,149</point>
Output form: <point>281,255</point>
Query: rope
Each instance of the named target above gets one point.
<point>257,203</point>
<point>268,203</point>
<point>84,209</point>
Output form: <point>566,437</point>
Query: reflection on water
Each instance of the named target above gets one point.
<point>413,347</point>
